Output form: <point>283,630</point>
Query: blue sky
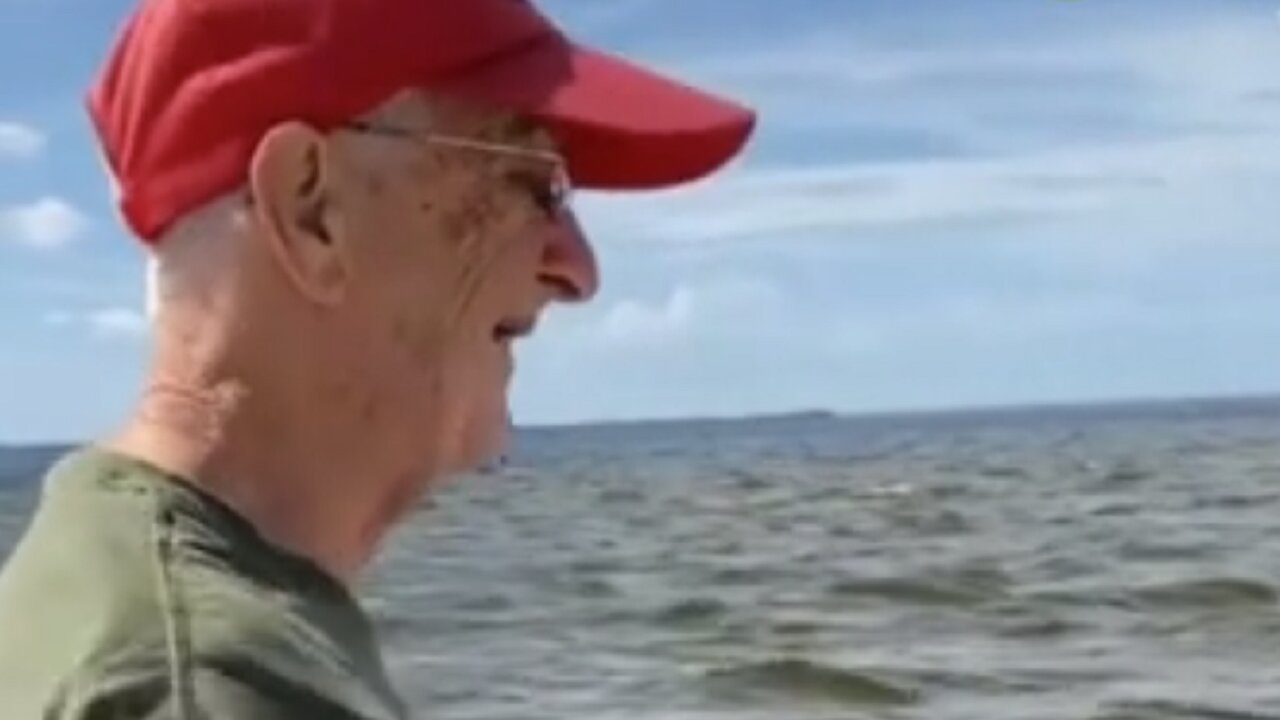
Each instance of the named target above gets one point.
<point>948,204</point>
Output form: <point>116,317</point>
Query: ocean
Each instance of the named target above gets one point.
<point>1113,562</point>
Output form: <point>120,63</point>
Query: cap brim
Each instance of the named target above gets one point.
<point>619,126</point>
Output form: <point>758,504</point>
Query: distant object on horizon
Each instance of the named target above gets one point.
<point>1261,400</point>
<point>781,416</point>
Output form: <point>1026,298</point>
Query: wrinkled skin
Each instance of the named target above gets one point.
<point>348,360</point>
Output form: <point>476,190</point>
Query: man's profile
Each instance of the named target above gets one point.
<point>351,209</point>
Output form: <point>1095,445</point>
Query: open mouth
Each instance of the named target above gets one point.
<point>512,328</point>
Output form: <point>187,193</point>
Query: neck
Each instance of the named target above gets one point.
<point>302,486</point>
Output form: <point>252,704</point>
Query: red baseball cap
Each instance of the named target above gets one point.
<point>190,87</point>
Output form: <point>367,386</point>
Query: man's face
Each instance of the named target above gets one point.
<point>454,255</point>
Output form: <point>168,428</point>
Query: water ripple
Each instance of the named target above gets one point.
<point>939,591</point>
<point>1166,710</point>
<point>1033,566</point>
<point>803,679</point>
<point>1216,593</point>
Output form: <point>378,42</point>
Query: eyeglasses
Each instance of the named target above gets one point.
<point>552,196</point>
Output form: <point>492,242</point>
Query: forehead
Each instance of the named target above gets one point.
<point>455,116</point>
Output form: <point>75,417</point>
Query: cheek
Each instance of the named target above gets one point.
<point>428,362</point>
<point>413,341</point>
<point>440,385</point>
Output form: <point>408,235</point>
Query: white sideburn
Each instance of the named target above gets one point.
<point>152,290</point>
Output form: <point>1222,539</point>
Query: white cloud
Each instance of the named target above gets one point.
<point>1234,51</point>
<point>933,89</point>
<point>116,323</point>
<point>20,141</point>
<point>107,323</point>
<point>716,306</point>
<point>45,224</point>
<point>1089,165</point>
<point>824,62</point>
<point>1231,59</point>
<point>1168,178</point>
<point>631,322</point>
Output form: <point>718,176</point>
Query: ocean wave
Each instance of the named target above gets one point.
<point>1005,472</point>
<point>749,480</point>
<point>1171,710</point>
<point>691,610</point>
<point>889,490</point>
<point>1190,594</point>
<point>1038,627</point>
<point>1236,501</point>
<point>1207,592</point>
<point>595,588</point>
<point>739,575</point>
<point>805,679</point>
<point>930,521</point>
<point>797,628</point>
<point>962,590</point>
<point>1165,548</point>
<point>1126,472</point>
<point>621,496</point>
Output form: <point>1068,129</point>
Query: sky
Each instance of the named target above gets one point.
<point>947,204</point>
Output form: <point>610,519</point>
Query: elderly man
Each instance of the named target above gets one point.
<point>353,209</point>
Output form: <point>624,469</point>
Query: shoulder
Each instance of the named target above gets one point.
<point>250,635</point>
<point>172,609</point>
<point>248,669</point>
<point>150,691</point>
<point>275,633</point>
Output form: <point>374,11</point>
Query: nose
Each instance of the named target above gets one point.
<point>568,263</point>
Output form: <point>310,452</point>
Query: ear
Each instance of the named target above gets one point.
<point>291,178</point>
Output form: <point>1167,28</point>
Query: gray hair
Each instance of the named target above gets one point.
<point>196,250</point>
<point>194,247</point>
<point>194,254</point>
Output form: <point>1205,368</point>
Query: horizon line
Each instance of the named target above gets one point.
<point>848,414</point>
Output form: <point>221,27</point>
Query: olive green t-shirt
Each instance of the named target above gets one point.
<point>133,595</point>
